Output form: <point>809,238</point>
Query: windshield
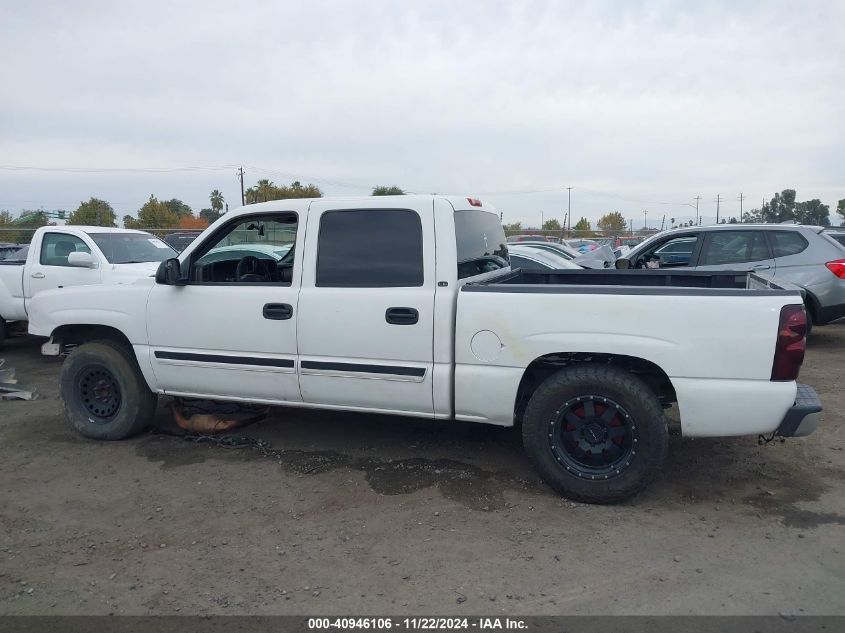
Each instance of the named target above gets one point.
<point>132,248</point>
<point>481,243</point>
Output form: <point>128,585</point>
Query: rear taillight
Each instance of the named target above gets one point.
<point>791,343</point>
<point>474,202</point>
<point>837,267</point>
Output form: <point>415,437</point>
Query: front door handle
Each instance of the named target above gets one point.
<point>38,275</point>
<point>761,267</point>
<point>278,311</point>
<point>402,316</point>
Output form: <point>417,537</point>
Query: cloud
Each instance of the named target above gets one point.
<point>651,102</point>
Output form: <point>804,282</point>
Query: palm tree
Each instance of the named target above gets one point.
<point>216,201</point>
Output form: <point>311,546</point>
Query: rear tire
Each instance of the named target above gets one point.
<point>595,433</point>
<point>103,392</point>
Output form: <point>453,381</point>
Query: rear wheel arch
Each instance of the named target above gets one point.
<point>545,366</point>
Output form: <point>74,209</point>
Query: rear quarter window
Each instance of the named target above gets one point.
<point>785,243</point>
<point>481,243</point>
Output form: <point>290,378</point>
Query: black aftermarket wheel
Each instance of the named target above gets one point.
<point>595,433</point>
<point>103,392</point>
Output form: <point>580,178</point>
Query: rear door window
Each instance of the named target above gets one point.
<point>370,248</point>
<point>785,243</point>
<point>734,247</point>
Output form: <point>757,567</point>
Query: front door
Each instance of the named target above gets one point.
<point>366,308</point>
<point>50,269</point>
<point>231,331</point>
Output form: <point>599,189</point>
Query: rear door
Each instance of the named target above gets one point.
<point>365,326</point>
<point>741,250</point>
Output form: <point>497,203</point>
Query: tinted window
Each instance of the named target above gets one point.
<point>55,248</point>
<point>370,248</point>
<point>839,237</point>
<point>734,247</point>
<point>786,243</point>
<point>132,248</point>
<point>481,243</point>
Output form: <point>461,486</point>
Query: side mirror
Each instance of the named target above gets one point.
<point>81,260</point>
<point>623,263</point>
<point>169,273</point>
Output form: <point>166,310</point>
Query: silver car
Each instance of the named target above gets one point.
<point>806,256</point>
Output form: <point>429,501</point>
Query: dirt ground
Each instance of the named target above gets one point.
<point>360,514</point>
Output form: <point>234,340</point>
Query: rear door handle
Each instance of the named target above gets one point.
<point>278,311</point>
<point>402,316</point>
<point>37,275</point>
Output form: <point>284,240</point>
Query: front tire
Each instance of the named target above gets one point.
<point>595,433</point>
<point>103,392</point>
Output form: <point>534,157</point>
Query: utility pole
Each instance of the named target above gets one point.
<point>541,220</point>
<point>663,222</point>
<point>741,198</point>
<point>718,203</point>
<point>697,198</point>
<point>241,176</point>
<point>645,219</point>
<point>569,209</point>
<point>631,224</point>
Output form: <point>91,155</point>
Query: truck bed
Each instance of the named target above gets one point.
<point>649,281</point>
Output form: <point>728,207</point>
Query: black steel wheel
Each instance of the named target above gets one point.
<point>98,392</point>
<point>595,433</point>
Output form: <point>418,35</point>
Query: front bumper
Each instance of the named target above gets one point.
<point>803,418</point>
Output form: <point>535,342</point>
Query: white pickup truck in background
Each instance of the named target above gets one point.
<point>407,305</point>
<point>63,256</point>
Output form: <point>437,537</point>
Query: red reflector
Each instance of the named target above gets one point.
<point>475,202</point>
<point>837,267</point>
<point>791,343</point>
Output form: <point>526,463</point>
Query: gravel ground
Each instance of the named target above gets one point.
<point>380,515</point>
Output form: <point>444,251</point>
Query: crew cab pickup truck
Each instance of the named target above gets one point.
<point>62,256</point>
<point>408,305</point>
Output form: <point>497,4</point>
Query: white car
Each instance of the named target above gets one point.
<point>408,305</point>
<point>534,258</point>
<point>64,256</point>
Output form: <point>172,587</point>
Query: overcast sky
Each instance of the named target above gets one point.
<point>631,104</point>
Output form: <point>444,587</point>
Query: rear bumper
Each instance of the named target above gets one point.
<point>803,418</point>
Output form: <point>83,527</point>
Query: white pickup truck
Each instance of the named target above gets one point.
<point>62,256</point>
<point>407,305</point>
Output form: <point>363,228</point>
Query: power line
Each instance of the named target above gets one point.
<point>94,170</point>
